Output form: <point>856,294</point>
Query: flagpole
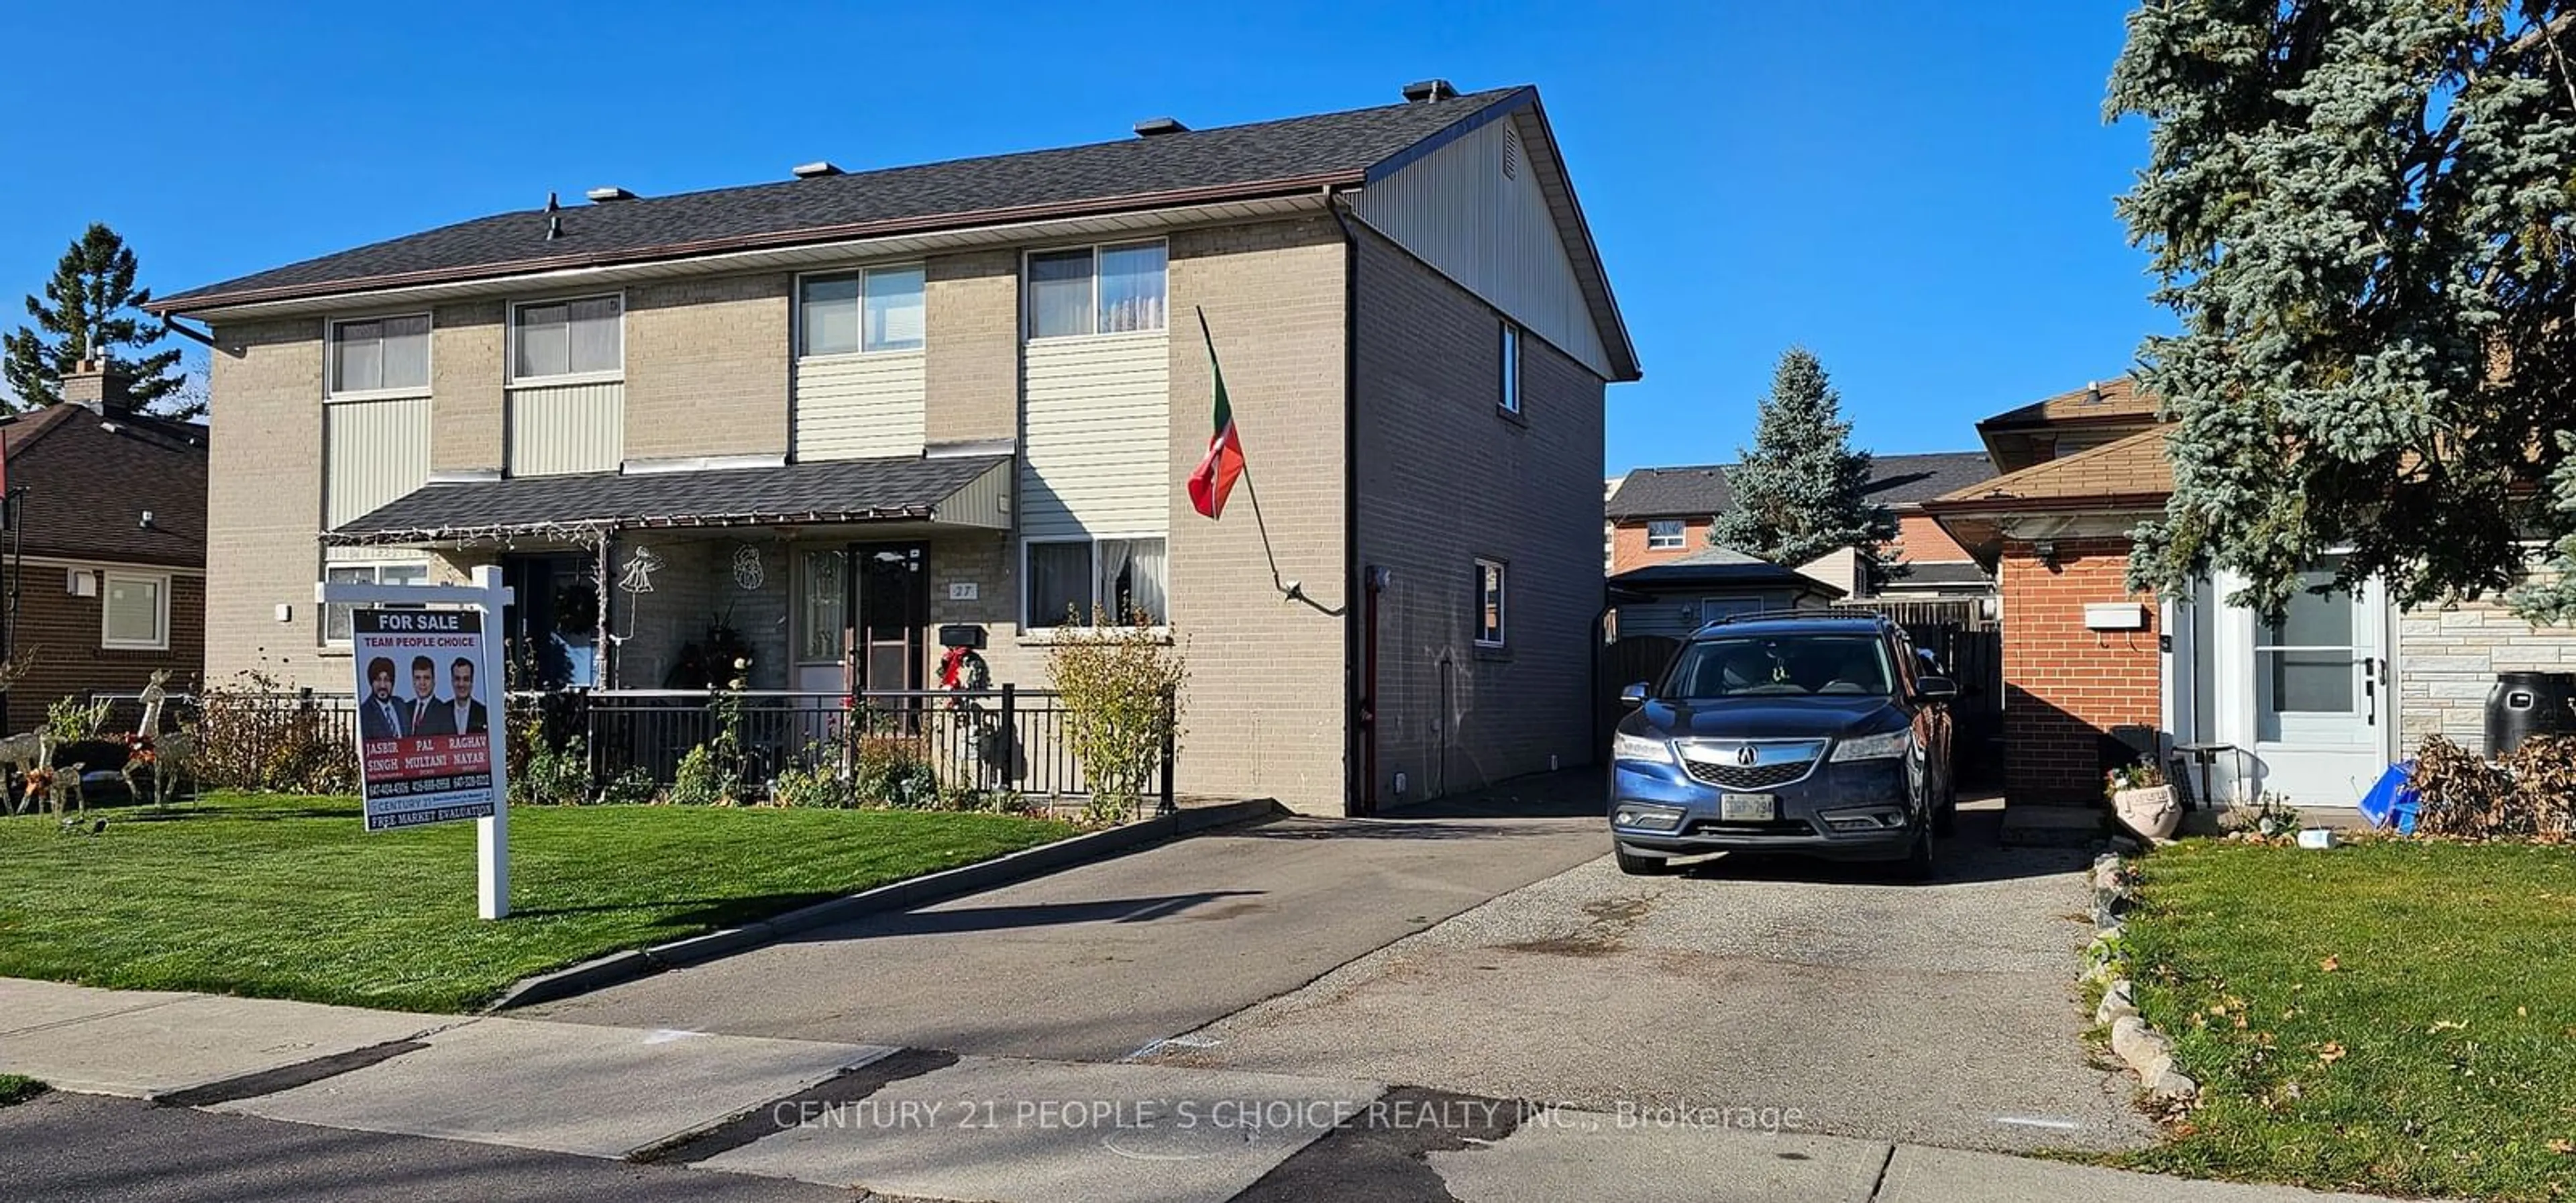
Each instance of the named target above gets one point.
<point>1276,581</point>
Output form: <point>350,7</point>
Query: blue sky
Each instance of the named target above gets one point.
<point>1921,193</point>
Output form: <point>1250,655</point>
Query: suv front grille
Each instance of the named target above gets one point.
<point>1730,776</point>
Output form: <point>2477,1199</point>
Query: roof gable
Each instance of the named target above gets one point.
<point>89,480</point>
<point>2128,469</point>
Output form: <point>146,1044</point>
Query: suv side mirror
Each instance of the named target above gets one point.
<point>1633,696</point>
<point>1935,689</point>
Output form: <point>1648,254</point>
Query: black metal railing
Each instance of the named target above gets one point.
<point>299,741</point>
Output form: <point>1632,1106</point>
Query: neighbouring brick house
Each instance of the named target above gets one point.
<point>1662,515</point>
<point>110,583</point>
<point>2313,707</point>
<point>832,414</point>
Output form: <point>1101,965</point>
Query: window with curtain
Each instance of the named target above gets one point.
<point>1664,534</point>
<point>137,611</point>
<point>568,338</point>
<point>1097,290</point>
<point>879,309</point>
<point>1489,603</point>
<point>335,617</point>
<point>825,606</point>
<point>380,354</point>
<point>1071,581</point>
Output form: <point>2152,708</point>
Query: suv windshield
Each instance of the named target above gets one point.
<point>1780,666</point>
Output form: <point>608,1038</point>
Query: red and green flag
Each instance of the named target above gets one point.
<point>1224,462</point>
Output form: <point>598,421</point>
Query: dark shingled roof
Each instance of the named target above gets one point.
<point>1939,574</point>
<point>89,478</point>
<point>1719,567</point>
<point>1702,491</point>
<point>858,490</point>
<point>1219,162</point>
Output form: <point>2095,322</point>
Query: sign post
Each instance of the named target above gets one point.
<point>433,722</point>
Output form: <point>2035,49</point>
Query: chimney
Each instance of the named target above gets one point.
<point>98,386</point>
<point>1422,90</point>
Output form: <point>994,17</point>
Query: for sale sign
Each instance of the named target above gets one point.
<point>424,732</point>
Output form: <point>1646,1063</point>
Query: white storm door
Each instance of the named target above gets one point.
<point>2321,702</point>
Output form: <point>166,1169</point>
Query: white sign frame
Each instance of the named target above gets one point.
<point>489,596</point>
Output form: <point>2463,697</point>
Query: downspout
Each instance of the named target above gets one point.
<point>1359,623</point>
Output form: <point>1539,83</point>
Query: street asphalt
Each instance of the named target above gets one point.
<point>1786,995</point>
<point>1096,962</point>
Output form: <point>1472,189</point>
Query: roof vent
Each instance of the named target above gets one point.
<point>814,170</point>
<point>1153,126</point>
<point>601,196</point>
<point>2092,392</point>
<point>1421,90</point>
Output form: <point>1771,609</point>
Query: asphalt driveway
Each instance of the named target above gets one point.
<point>1823,999</point>
<point>1095,962</point>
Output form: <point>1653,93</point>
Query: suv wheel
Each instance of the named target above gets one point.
<point>1918,864</point>
<point>1642,866</point>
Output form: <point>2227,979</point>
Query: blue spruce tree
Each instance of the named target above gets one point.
<point>1801,491</point>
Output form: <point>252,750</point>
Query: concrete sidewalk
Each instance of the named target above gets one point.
<point>913,1123</point>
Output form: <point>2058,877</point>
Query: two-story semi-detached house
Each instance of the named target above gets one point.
<point>858,407</point>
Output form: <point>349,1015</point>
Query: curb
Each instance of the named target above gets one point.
<point>1002,870</point>
<point>2142,1048</point>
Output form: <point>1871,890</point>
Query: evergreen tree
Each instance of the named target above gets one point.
<point>2361,212</point>
<point>91,297</point>
<point>1802,492</point>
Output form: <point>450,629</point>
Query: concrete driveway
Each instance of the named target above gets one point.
<point>1093,963</point>
<point>1823,999</point>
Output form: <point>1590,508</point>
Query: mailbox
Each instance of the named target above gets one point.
<point>2115,616</point>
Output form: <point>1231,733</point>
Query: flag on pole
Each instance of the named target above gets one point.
<point>1224,461</point>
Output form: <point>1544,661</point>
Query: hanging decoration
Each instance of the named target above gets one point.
<point>637,575</point>
<point>747,571</point>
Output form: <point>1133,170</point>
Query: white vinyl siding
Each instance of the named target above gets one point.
<point>1097,423</point>
<point>859,406</point>
<point>1491,231</point>
<point>373,452</point>
<point>135,612</point>
<point>556,430</point>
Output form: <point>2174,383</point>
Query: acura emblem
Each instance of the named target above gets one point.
<point>1744,756</point>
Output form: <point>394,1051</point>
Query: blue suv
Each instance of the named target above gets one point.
<point>1824,734</point>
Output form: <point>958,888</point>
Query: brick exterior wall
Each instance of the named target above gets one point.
<point>64,632</point>
<point>1445,478</point>
<point>1920,539</point>
<point>1628,545</point>
<point>466,411</point>
<point>2447,659</point>
<point>706,367</point>
<point>2068,691</point>
<point>971,360</point>
<point>264,504</point>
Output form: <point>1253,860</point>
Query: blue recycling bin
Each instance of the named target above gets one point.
<point>2392,802</point>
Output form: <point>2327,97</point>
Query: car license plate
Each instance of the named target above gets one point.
<point>1748,808</point>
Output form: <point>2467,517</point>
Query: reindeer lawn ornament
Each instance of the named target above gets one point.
<point>31,756</point>
<point>59,788</point>
<point>166,755</point>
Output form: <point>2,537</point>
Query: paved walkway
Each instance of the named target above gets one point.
<point>264,1099</point>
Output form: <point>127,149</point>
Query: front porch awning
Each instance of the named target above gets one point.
<point>961,491</point>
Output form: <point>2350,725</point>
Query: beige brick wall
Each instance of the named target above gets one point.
<point>1444,478</point>
<point>264,504</point>
<point>2447,659</point>
<point>706,367</point>
<point>971,366</point>
<point>466,407</point>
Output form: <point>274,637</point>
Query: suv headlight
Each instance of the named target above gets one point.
<point>1874,747</point>
<point>1624,746</point>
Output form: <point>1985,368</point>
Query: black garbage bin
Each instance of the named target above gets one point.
<point>2524,704</point>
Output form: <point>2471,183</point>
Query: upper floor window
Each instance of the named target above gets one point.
<point>1510,399</point>
<point>380,354</point>
<point>1664,534</point>
<point>874,310</point>
<point>1096,290</point>
<point>581,337</point>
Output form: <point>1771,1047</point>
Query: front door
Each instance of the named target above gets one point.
<point>2307,697</point>
<point>891,591</point>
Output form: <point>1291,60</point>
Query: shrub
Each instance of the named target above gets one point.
<point>71,721</point>
<point>806,783</point>
<point>1120,686</point>
<point>2532,795</point>
<point>701,780</point>
<point>890,770</point>
<point>634,787</point>
<point>253,734</point>
<point>553,776</point>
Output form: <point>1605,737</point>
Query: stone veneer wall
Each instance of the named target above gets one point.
<point>2447,660</point>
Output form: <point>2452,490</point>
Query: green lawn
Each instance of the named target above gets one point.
<point>2390,1016</point>
<point>287,897</point>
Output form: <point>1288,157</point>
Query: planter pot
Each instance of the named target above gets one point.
<point>2153,812</point>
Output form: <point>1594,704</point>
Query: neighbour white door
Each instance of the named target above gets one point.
<point>822,609</point>
<point>2307,697</point>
